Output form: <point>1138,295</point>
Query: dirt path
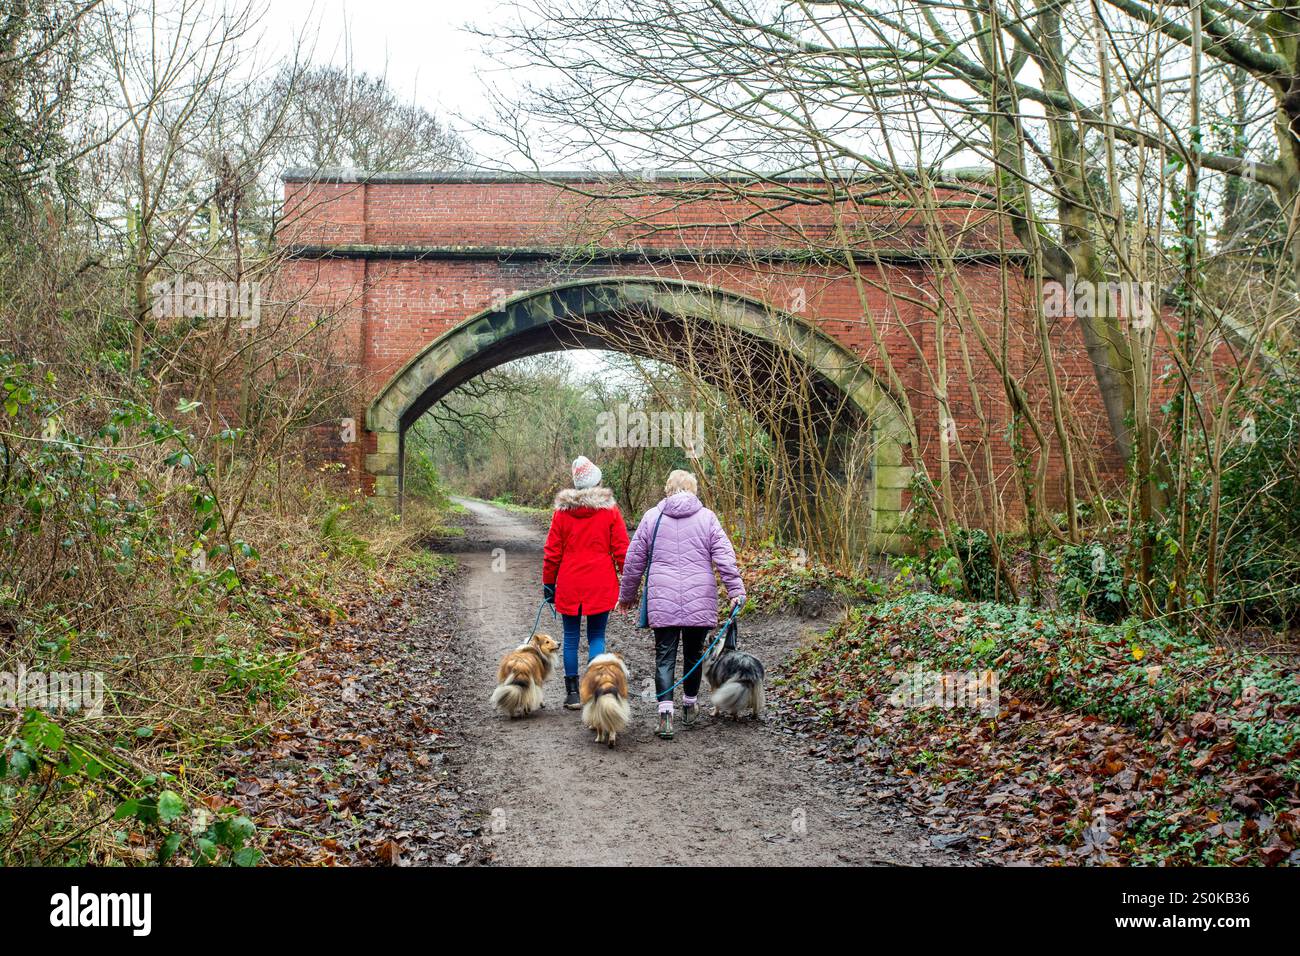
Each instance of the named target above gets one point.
<point>722,793</point>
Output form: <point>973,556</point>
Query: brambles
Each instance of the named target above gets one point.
<point>261,675</point>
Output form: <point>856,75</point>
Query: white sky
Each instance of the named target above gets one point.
<point>419,47</point>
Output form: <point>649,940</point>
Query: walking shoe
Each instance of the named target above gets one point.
<point>572,701</point>
<point>665,728</point>
<point>690,714</point>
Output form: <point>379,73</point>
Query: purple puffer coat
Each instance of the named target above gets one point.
<point>690,544</point>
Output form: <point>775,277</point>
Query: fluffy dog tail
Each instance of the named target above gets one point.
<point>516,696</point>
<point>607,713</point>
<point>735,696</point>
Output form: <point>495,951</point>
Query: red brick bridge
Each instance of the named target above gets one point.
<point>436,278</point>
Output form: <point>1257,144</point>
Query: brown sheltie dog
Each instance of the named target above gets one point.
<point>521,675</point>
<point>605,708</point>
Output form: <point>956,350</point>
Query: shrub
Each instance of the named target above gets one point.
<point>1259,552</point>
<point>962,568</point>
<point>1090,578</point>
<point>422,479</point>
<point>974,551</point>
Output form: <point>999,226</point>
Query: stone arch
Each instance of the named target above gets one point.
<point>563,316</point>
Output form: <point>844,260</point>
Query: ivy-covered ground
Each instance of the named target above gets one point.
<point>1102,744</point>
<point>1042,735</point>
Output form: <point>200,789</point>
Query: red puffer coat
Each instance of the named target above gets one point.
<point>584,551</point>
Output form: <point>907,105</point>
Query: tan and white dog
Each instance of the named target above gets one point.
<point>605,707</point>
<point>522,673</point>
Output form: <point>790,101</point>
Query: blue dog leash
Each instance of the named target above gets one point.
<point>537,621</point>
<point>727,625</point>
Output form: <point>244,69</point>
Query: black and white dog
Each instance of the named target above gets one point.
<point>735,679</point>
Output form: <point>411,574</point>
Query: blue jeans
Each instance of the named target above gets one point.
<point>573,634</point>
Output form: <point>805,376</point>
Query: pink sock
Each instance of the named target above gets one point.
<point>688,701</point>
<point>665,706</point>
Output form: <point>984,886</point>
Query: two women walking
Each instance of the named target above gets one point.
<point>679,541</point>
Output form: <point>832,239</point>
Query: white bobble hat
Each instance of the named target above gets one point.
<point>585,473</point>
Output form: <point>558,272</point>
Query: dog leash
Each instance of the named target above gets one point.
<point>537,621</point>
<point>722,632</point>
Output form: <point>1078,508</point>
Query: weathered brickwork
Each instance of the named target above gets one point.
<point>399,264</point>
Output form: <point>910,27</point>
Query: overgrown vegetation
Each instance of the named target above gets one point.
<point>162,537</point>
<point>1259,546</point>
<point>166,557</point>
<point>116,560</point>
<point>1185,753</point>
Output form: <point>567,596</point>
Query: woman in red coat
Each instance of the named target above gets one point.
<point>581,563</point>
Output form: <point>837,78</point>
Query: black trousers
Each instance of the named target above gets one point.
<point>666,641</point>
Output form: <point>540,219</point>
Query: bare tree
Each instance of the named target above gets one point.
<point>336,117</point>
<point>41,49</point>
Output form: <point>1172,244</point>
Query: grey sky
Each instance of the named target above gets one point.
<point>420,47</point>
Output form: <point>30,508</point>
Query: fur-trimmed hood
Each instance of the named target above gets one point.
<point>570,499</point>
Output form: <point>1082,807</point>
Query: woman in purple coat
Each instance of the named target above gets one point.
<point>689,544</point>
